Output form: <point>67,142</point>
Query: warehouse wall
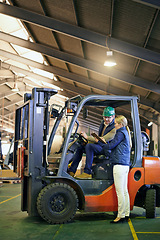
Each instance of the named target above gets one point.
<point>155,139</point>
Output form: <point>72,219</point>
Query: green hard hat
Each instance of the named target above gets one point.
<point>108,111</point>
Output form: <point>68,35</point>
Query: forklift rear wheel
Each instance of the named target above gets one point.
<point>57,203</point>
<point>150,203</point>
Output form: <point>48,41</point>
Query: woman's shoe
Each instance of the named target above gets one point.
<point>120,220</point>
<point>127,218</point>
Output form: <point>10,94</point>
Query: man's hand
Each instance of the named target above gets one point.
<point>84,135</point>
<point>96,140</point>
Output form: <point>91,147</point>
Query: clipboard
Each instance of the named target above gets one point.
<point>96,136</point>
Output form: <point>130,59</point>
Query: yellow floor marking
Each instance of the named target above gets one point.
<point>132,230</point>
<point>58,231</point>
<point>149,232</point>
<point>5,196</point>
<point>10,198</point>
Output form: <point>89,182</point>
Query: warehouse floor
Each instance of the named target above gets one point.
<point>16,225</point>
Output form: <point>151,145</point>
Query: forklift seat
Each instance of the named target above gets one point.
<point>102,168</point>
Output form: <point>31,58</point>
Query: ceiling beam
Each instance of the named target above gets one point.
<point>5,74</point>
<point>75,77</point>
<point>7,94</point>
<point>6,121</point>
<point>10,93</point>
<point>28,73</point>
<point>12,80</point>
<point>81,33</point>
<point>57,71</point>
<point>142,100</point>
<point>78,90</point>
<point>150,28</point>
<point>81,91</point>
<point>84,63</point>
<point>12,103</point>
<point>151,3</point>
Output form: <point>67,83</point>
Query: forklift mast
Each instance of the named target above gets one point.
<point>30,144</point>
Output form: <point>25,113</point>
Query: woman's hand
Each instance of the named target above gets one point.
<point>103,139</point>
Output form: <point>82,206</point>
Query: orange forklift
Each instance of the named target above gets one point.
<point>47,189</point>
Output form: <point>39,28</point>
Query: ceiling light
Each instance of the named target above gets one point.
<point>55,78</point>
<point>150,124</point>
<point>110,62</point>
<point>15,88</point>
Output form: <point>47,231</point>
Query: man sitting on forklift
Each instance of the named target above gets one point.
<point>107,131</point>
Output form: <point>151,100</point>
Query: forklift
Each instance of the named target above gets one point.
<point>47,188</point>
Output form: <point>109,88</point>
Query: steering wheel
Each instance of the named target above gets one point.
<point>77,139</point>
<point>80,139</point>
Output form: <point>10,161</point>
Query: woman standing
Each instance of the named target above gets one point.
<point>120,157</point>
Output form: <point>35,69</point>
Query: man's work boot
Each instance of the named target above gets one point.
<point>84,176</point>
<point>71,173</point>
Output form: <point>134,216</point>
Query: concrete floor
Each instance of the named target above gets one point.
<point>16,225</point>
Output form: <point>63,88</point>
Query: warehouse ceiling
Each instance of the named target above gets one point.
<point>72,37</point>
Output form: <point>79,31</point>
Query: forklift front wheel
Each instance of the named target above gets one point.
<point>150,203</point>
<point>57,203</point>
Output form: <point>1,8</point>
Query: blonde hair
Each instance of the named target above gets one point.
<point>121,119</point>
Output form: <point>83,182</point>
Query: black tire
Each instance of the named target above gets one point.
<point>158,197</point>
<point>150,203</point>
<point>57,203</point>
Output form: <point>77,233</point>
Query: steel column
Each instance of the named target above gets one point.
<point>151,3</point>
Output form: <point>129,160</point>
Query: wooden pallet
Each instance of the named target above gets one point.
<point>11,181</point>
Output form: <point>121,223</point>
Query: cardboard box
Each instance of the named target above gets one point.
<point>8,174</point>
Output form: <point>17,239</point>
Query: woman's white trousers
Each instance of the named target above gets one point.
<point>120,174</point>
